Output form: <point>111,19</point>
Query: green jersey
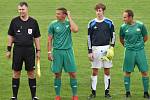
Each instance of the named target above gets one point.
<point>133,35</point>
<point>61,34</point>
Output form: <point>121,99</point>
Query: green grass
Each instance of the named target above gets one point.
<point>82,11</point>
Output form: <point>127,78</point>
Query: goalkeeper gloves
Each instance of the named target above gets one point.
<point>109,55</point>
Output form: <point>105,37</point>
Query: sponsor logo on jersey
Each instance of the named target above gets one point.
<point>29,31</point>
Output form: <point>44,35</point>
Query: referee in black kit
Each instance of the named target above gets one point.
<point>23,33</point>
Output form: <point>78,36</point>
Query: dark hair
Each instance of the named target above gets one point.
<point>64,10</point>
<point>130,13</point>
<point>100,5</point>
<point>23,3</point>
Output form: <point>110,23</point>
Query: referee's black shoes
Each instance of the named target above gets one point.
<point>35,98</point>
<point>13,98</point>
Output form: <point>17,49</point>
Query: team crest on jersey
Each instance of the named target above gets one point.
<point>138,29</point>
<point>18,31</point>
<point>57,29</point>
<point>127,31</point>
<point>67,26</point>
<point>29,31</point>
<point>95,27</point>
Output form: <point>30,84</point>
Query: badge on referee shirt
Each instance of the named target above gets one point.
<point>29,31</point>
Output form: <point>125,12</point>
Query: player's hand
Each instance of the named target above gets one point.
<point>68,14</point>
<point>50,57</point>
<point>38,54</point>
<point>105,58</point>
<point>91,56</point>
<point>8,54</point>
<point>110,53</point>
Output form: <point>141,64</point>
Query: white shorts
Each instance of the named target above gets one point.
<point>98,53</point>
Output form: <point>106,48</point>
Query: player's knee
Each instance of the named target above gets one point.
<point>31,74</point>
<point>107,74</point>
<point>107,71</point>
<point>72,75</point>
<point>128,74</point>
<point>16,74</point>
<point>95,72</point>
<point>144,74</point>
<point>57,75</point>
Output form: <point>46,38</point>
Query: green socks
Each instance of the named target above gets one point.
<point>145,81</point>
<point>127,83</point>
<point>73,84</point>
<point>57,86</point>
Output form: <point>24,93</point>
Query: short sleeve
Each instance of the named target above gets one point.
<point>144,30</point>
<point>37,30</point>
<point>51,29</point>
<point>11,29</point>
<point>121,33</point>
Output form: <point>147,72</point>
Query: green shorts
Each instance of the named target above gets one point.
<point>133,58</point>
<point>63,59</point>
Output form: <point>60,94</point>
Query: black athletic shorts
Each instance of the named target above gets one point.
<point>23,54</point>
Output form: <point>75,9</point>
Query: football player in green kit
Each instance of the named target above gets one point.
<point>133,35</point>
<point>60,50</point>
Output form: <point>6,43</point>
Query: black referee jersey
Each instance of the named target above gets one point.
<point>100,33</point>
<point>24,31</point>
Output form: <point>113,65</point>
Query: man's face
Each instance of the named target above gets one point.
<point>127,19</point>
<point>60,15</point>
<point>99,12</point>
<point>23,10</point>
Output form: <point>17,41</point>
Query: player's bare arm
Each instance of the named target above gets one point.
<point>145,38</point>
<point>9,46</point>
<point>90,56</point>
<point>37,44</point>
<point>122,41</point>
<point>73,25</point>
<point>49,47</point>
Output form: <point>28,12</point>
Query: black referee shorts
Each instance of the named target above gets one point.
<point>23,54</point>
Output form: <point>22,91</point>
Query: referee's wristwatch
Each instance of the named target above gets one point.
<point>9,48</point>
<point>38,50</point>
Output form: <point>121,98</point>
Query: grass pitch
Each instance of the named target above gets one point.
<point>82,12</point>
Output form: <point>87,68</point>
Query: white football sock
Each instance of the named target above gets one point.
<point>107,81</point>
<point>94,82</point>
